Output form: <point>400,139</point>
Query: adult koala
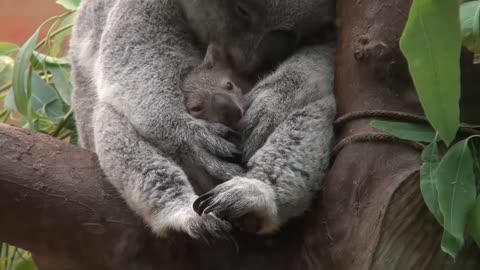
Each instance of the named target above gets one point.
<point>129,58</point>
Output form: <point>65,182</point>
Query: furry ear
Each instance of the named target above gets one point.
<point>213,56</point>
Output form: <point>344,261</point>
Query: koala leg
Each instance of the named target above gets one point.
<point>153,186</point>
<point>290,123</point>
<point>283,176</point>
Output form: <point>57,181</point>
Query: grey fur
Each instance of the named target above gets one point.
<point>129,58</point>
<point>289,134</point>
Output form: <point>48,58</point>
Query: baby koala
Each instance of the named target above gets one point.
<point>214,92</point>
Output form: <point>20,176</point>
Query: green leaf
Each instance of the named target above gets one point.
<point>6,70</point>
<point>45,99</point>
<point>406,131</point>
<point>474,222</point>
<point>69,4</point>
<point>450,244</point>
<point>61,78</point>
<point>4,116</point>
<point>431,42</point>
<point>429,179</point>
<point>456,193</point>
<point>10,102</point>
<point>468,12</point>
<point>26,265</point>
<point>8,49</point>
<point>21,62</point>
<point>54,111</point>
<point>67,20</point>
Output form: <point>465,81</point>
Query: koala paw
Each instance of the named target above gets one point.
<point>205,228</point>
<point>248,204</point>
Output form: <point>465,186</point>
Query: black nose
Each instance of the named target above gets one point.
<point>228,111</point>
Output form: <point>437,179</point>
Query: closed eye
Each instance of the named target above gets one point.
<point>196,108</point>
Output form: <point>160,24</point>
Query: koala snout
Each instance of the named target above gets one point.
<point>229,112</point>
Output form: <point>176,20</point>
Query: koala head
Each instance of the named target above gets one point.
<point>257,34</point>
<point>213,92</point>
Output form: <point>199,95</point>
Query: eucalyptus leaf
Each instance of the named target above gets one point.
<point>6,70</point>
<point>10,102</point>
<point>456,193</point>
<point>54,111</point>
<point>468,13</point>
<point>8,49</point>
<point>61,78</point>
<point>56,46</point>
<point>45,99</point>
<point>406,131</point>
<point>69,4</point>
<point>26,265</point>
<point>429,179</point>
<point>4,115</point>
<point>19,72</point>
<point>450,244</point>
<point>474,222</point>
<point>431,42</point>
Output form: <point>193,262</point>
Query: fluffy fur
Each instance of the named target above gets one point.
<point>129,58</point>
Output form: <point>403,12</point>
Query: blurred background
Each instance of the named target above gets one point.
<point>20,18</point>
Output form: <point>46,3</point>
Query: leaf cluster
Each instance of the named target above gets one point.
<point>35,89</point>
<point>449,179</point>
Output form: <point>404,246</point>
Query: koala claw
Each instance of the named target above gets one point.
<point>247,203</point>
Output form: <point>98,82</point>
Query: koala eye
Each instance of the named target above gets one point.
<point>242,11</point>
<point>229,86</point>
<point>196,109</point>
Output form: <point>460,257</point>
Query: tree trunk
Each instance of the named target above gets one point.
<point>370,214</point>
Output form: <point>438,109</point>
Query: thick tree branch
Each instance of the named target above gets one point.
<point>55,201</point>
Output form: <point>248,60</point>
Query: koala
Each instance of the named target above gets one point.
<point>214,92</point>
<point>129,60</point>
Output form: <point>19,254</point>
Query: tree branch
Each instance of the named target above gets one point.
<point>56,203</point>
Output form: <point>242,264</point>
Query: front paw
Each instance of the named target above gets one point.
<point>246,203</point>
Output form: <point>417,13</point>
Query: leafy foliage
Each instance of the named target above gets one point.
<point>456,194</point>
<point>429,181</point>
<point>12,258</point>
<point>406,131</point>
<point>35,79</point>
<point>36,91</point>
<point>474,222</point>
<point>431,43</point>
<point>470,26</point>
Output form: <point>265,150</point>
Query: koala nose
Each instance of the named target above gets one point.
<point>229,112</point>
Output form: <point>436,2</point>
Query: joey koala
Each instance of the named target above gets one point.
<point>214,91</point>
<point>128,61</point>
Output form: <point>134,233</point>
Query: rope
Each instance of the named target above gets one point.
<point>380,114</point>
<point>376,136</point>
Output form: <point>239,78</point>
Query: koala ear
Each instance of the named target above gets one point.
<point>213,56</point>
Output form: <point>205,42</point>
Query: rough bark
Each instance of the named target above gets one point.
<point>371,209</point>
<point>370,215</point>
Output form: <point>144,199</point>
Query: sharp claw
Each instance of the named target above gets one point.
<point>203,205</point>
<point>213,207</point>
<point>209,209</point>
<point>199,200</point>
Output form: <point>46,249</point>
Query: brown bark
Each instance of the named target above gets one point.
<point>370,215</point>
<point>56,203</point>
<point>371,208</point>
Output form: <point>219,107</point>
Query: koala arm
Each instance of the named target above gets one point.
<point>152,185</point>
<point>289,134</point>
<point>140,74</point>
<point>141,128</point>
